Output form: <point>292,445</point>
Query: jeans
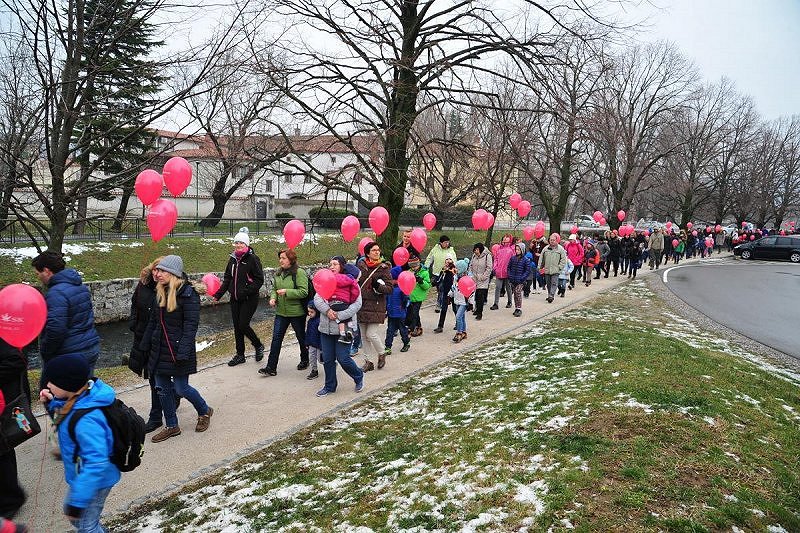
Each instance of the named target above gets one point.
<point>573,274</point>
<point>498,284</point>
<point>282,324</point>
<point>241,313</point>
<point>89,522</point>
<point>164,386</point>
<point>615,261</point>
<point>333,351</point>
<point>461,319</point>
<point>395,325</point>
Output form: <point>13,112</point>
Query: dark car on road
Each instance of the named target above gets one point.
<point>772,247</point>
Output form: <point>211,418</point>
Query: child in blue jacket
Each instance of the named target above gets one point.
<point>92,476</point>
<point>396,305</point>
<point>313,341</point>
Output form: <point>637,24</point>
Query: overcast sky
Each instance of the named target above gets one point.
<point>755,43</point>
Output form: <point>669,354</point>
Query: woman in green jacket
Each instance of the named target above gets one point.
<point>289,290</point>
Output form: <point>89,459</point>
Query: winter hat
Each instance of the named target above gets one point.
<point>351,270</point>
<point>413,262</point>
<point>522,247</point>
<point>68,372</point>
<point>461,266</point>
<point>573,237</point>
<point>342,262</point>
<point>396,272</point>
<point>443,238</point>
<point>242,236</point>
<point>172,264</point>
<point>479,246</point>
<point>311,305</point>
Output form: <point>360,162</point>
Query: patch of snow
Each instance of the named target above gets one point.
<point>758,512</point>
<point>732,456</point>
<point>730,498</point>
<point>776,529</point>
<point>709,420</point>
<point>532,494</point>
<point>202,345</point>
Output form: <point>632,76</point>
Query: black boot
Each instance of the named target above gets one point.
<point>238,359</point>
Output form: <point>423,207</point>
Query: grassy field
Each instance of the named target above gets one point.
<point>615,416</point>
<point>124,259</point>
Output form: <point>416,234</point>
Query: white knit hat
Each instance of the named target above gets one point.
<point>242,236</point>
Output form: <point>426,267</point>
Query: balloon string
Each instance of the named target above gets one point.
<point>41,469</point>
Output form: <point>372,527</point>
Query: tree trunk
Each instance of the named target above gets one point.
<point>123,209</point>
<point>213,218</point>
<point>80,226</point>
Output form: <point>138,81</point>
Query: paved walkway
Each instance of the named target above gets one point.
<point>250,410</point>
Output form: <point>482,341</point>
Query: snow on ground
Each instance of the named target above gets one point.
<point>18,255</point>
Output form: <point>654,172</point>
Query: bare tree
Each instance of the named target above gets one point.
<point>787,197</point>
<point>235,109</point>
<point>67,44</point>
<point>375,65</point>
<point>641,91</point>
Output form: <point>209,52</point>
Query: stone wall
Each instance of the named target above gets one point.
<point>112,298</point>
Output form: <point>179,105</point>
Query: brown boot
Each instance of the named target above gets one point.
<point>368,366</point>
<point>166,433</point>
<point>204,421</point>
<point>381,360</point>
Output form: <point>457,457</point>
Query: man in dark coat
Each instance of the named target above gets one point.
<point>69,329</point>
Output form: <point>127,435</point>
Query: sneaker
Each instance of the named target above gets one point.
<point>259,353</point>
<point>381,360</point>
<point>437,310</point>
<point>478,317</point>
<point>387,351</point>
<point>165,434</point>
<point>549,299</point>
<point>323,392</point>
<point>517,312</point>
<point>204,421</point>
<point>438,330</point>
<point>562,294</point>
<point>508,305</point>
<point>494,308</point>
<point>368,366</point>
<point>56,453</point>
<point>359,385</point>
<point>266,371</point>
<point>238,359</point>
<point>405,347</point>
<point>314,374</point>
<point>343,338</point>
<point>152,425</point>
<point>457,337</point>
<point>302,365</point>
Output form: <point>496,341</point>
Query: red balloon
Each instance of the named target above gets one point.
<point>538,230</point>
<point>718,228</point>
<point>177,175</point>
<point>350,228</point>
<point>495,247</point>
<point>603,221</point>
<point>148,186</point>
<point>293,233</point>
<point>429,221</point>
<point>419,239</point>
<point>752,237</point>
<point>489,221</point>
<point>689,225</point>
<point>479,218</point>
<point>573,230</point>
<point>783,232</point>
<point>378,219</point>
<point>406,282</point>
<point>212,283</point>
<point>668,225</point>
<point>694,233</point>
<point>466,285</point>
<point>674,243</point>
<point>597,216</point>
<point>514,200</point>
<point>324,282</point>
<point>161,219</point>
<point>620,215</point>
<point>524,208</point>
<point>23,313</point>
<point>365,241</point>
<point>400,256</point>
<point>528,232</point>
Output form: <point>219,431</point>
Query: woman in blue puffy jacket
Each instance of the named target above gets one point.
<point>519,267</point>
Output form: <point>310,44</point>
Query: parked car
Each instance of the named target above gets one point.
<point>586,221</point>
<point>772,247</point>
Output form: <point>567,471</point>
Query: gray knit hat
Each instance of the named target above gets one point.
<point>172,264</point>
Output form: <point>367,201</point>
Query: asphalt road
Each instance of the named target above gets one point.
<point>759,299</point>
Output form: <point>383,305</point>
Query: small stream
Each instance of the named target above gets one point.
<point>116,338</point>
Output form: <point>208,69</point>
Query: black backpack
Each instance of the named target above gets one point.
<point>311,290</point>
<point>127,428</point>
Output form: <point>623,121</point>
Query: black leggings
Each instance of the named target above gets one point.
<point>242,312</point>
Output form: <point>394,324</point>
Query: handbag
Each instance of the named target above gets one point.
<point>17,422</point>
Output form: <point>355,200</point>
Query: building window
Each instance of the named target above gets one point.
<point>357,178</point>
<point>307,179</point>
<point>333,159</point>
<point>287,177</point>
<point>267,185</point>
<point>370,198</point>
<point>288,159</point>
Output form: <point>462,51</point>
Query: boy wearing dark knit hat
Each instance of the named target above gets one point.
<point>92,475</point>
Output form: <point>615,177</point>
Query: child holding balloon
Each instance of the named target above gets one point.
<point>460,301</point>
<point>396,306</point>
